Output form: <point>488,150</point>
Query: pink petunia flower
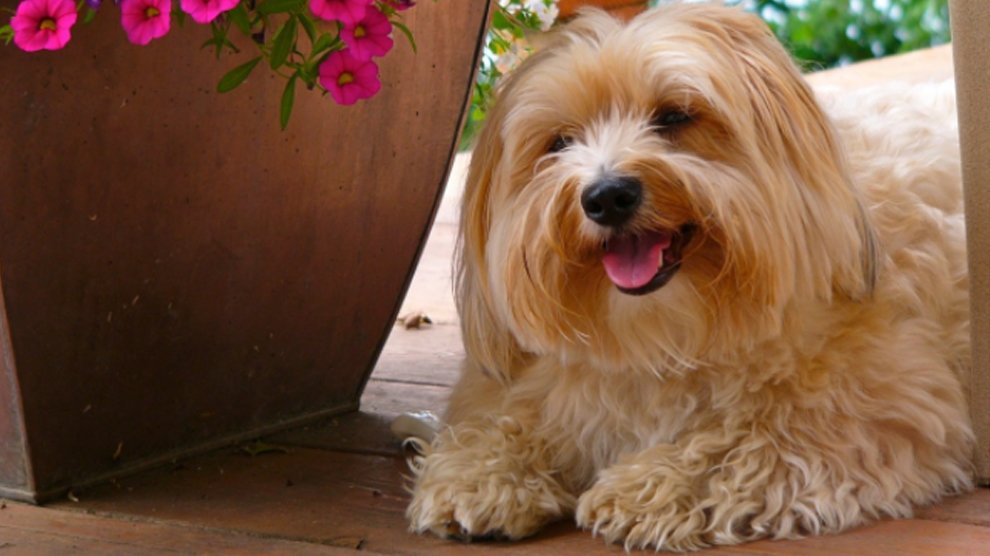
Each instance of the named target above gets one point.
<point>144,20</point>
<point>400,5</point>
<point>369,36</point>
<point>349,79</point>
<point>205,11</point>
<point>345,11</point>
<point>43,24</point>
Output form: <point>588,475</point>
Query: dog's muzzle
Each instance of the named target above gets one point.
<point>637,262</point>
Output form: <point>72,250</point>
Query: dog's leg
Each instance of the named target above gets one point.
<point>652,498</point>
<point>745,482</point>
<point>722,486</point>
<point>486,477</point>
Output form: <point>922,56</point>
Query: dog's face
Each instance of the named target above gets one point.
<point>652,194</point>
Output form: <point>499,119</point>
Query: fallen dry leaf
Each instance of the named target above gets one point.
<point>416,319</point>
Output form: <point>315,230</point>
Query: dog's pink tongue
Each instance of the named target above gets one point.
<point>632,261</point>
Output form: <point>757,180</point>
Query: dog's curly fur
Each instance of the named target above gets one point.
<point>802,372</point>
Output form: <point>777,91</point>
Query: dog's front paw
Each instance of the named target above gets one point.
<point>485,481</point>
<point>642,511</point>
<point>483,505</point>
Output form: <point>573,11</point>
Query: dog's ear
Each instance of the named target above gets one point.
<point>487,340</point>
<point>839,248</point>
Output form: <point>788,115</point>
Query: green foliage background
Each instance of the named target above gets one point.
<point>511,22</point>
<point>828,33</point>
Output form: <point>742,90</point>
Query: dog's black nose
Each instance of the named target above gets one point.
<point>612,200</point>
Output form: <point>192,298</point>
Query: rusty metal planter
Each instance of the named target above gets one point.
<point>177,273</point>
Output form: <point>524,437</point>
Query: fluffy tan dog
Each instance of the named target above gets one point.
<point>697,310</point>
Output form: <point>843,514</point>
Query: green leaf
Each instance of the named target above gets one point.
<point>210,42</point>
<point>270,7</point>
<point>233,47</point>
<point>308,73</point>
<point>288,97</point>
<point>285,40</point>
<point>218,42</point>
<point>180,17</point>
<point>499,21</point>
<point>387,9</point>
<point>326,41</point>
<point>236,76</point>
<point>499,45</point>
<point>240,18</point>
<point>405,31</point>
<point>89,15</point>
<point>219,30</point>
<point>6,33</point>
<point>308,26</point>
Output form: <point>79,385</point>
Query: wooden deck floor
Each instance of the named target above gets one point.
<point>337,487</point>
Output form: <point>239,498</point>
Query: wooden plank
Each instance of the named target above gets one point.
<point>930,64</point>
<point>322,496</point>
<point>973,508</point>
<point>430,355</point>
<point>316,496</point>
<point>310,495</point>
<point>970,21</point>
<point>432,288</point>
<point>392,398</point>
<point>911,537</point>
<point>32,531</point>
<point>359,432</point>
<point>368,431</point>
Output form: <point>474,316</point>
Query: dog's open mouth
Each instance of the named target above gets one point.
<point>641,263</point>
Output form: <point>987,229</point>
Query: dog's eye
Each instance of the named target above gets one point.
<point>671,118</point>
<point>559,143</point>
